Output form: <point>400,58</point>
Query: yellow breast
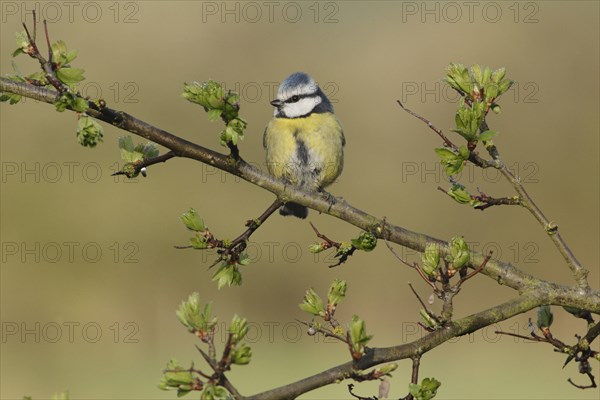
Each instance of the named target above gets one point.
<point>305,151</point>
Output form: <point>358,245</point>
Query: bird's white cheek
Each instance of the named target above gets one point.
<point>302,107</point>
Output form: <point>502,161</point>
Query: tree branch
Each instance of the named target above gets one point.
<point>375,356</point>
<point>504,273</point>
<point>579,272</point>
<point>525,200</point>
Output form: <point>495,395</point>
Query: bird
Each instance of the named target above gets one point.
<point>304,140</point>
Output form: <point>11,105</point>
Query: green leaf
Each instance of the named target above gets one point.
<point>426,390</point>
<point>80,104</point>
<point>445,154</point>
<point>227,274</point>
<point>70,55</point>
<point>498,75</point>
<point>58,49</point>
<point>344,248</point>
<point>487,73</point>
<point>337,292</point>
<point>192,220</point>
<point>18,52</point>
<point>487,135</point>
<point>63,102</point>
<point>208,94</point>
<point>463,152</point>
<point>477,74</point>
<point>386,369</point>
<point>238,328</point>
<point>544,317</point>
<point>199,242</point>
<point>431,259</point>
<point>453,163</point>
<point>22,39</point>
<point>89,132</point>
<point>366,241</point>
<point>231,134</point>
<point>176,378</point>
<point>213,115</point>
<point>212,392</point>
<point>241,355</point>
<point>244,259</point>
<point>504,86</point>
<point>468,119</point>
<point>457,76</point>
<point>195,317</point>
<point>147,150</point>
<point>312,303</point>
<point>70,76</point>
<point>459,194</point>
<point>459,253</point>
<point>126,143</point>
<point>12,98</point>
<point>357,333</point>
<point>428,320</point>
<point>316,248</point>
<point>139,152</point>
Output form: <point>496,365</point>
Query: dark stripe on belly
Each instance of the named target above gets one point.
<point>301,151</point>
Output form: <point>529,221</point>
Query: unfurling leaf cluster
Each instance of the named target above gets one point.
<point>218,103</point>
<point>358,337</point>
<point>134,155</point>
<point>175,377</point>
<point>426,390</point>
<point>65,77</point>
<point>198,319</point>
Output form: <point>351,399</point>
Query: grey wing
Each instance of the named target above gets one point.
<point>343,138</point>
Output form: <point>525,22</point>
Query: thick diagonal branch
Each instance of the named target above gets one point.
<point>504,273</point>
<point>421,346</point>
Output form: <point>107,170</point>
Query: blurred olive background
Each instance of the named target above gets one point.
<point>89,258</point>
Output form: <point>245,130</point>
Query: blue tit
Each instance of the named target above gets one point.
<point>304,140</point>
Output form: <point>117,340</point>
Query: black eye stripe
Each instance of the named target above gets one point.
<point>298,97</point>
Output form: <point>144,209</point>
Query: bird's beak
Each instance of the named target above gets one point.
<point>276,103</point>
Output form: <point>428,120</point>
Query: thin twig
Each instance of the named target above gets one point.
<point>418,297</point>
<point>579,272</point>
<point>413,266</point>
<point>476,271</point>
<point>473,156</point>
<point>590,386</point>
<point>323,331</point>
<point>225,382</point>
<point>328,243</point>
<point>507,273</point>
<point>139,165</point>
<point>447,141</point>
<point>50,52</point>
